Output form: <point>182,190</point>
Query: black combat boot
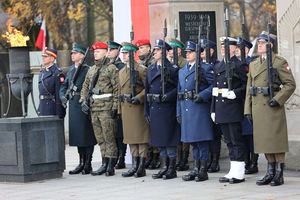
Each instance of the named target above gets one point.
<point>102,168</point>
<point>171,172</point>
<point>214,166</point>
<point>141,171</point>
<point>88,161</point>
<point>202,175</point>
<point>278,178</point>
<point>184,163</point>
<point>110,171</point>
<point>165,163</point>
<point>149,159</point>
<point>133,169</point>
<point>79,167</point>
<point>252,169</point>
<point>192,175</point>
<point>121,160</point>
<point>247,162</point>
<point>155,164</point>
<point>269,175</point>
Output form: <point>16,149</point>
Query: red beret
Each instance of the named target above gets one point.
<point>142,42</point>
<point>99,45</point>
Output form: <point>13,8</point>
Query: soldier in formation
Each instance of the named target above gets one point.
<point>51,77</point>
<point>99,96</point>
<point>131,94</point>
<point>80,127</point>
<point>265,105</point>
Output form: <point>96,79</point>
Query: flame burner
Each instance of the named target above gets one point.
<point>20,78</point>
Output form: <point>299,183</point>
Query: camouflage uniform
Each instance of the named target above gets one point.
<point>101,108</point>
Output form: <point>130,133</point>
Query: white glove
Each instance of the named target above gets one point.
<point>215,91</point>
<point>213,116</point>
<point>231,95</point>
<point>224,92</point>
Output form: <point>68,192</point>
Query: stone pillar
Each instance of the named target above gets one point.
<point>288,26</point>
<point>171,9</point>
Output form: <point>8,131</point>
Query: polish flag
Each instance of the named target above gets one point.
<point>40,42</point>
<point>131,12</point>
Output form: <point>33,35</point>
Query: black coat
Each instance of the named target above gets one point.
<point>229,110</point>
<point>80,127</point>
<point>163,125</point>
<point>49,84</point>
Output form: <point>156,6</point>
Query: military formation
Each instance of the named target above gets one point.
<point>163,104</point>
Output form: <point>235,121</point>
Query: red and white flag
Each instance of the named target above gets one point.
<point>41,39</point>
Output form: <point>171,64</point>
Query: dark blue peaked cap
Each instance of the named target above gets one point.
<point>264,36</point>
<point>205,43</point>
<point>245,42</point>
<point>191,46</point>
<point>159,44</point>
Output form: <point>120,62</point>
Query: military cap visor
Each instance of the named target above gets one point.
<point>128,47</point>
<point>264,36</point>
<point>176,43</point>
<point>113,45</point>
<point>241,41</point>
<point>78,48</point>
<point>50,52</point>
<point>207,44</point>
<point>160,43</point>
<point>232,41</point>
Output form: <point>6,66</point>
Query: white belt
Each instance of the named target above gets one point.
<point>102,96</point>
<point>216,91</point>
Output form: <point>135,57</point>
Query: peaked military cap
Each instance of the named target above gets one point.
<point>99,45</point>
<point>205,43</point>
<point>264,36</point>
<point>143,42</point>
<point>176,43</point>
<point>127,46</point>
<point>50,52</point>
<point>247,44</point>
<point>78,48</point>
<point>159,44</point>
<point>232,41</point>
<point>113,45</point>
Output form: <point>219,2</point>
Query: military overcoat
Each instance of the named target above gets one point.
<point>135,127</point>
<point>269,123</point>
<point>80,126</point>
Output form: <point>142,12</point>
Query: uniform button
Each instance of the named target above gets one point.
<point>185,80</point>
<point>185,89</point>
<point>222,100</point>
<point>217,83</point>
<point>186,109</point>
<point>217,100</point>
<point>224,83</point>
<point>218,74</point>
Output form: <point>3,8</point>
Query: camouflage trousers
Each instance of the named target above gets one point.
<point>104,129</point>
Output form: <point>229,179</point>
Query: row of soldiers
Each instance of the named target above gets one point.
<point>160,104</point>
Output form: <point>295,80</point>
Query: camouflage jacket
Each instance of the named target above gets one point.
<point>146,60</point>
<point>107,83</point>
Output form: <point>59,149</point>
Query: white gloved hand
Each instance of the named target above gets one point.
<point>224,92</point>
<point>215,91</point>
<point>213,116</point>
<point>231,95</point>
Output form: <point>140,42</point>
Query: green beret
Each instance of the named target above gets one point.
<point>128,47</point>
<point>113,45</point>
<point>78,48</point>
<point>176,43</point>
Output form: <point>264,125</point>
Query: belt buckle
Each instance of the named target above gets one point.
<point>42,97</point>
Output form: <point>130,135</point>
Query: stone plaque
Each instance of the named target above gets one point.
<point>189,25</point>
<point>8,148</point>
